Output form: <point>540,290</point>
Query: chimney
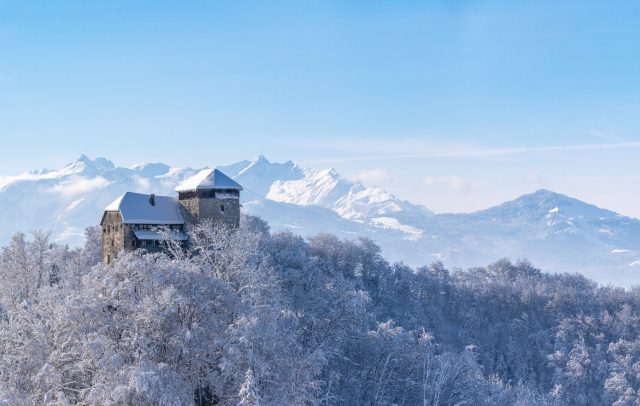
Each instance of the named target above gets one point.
<point>152,199</point>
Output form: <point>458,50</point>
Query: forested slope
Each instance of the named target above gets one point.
<point>248,318</point>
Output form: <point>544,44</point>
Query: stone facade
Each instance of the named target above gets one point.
<point>220,207</point>
<point>117,237</point>
<point>113,236</point>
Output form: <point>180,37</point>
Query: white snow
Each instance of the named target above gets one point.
<point>136,208</point>
<point>76,185</point>
<point>316,188</point>
<point>208,179</point>
<point>555,210</point>
<point>350,200</point>
<point>389,222</point>
<point>67,200</point>
<point>82,166</point>
<point>605,231</point>
<point>40,175</point>
<point>174,172</point>
<point>257,176</point>
<point>635,263</point>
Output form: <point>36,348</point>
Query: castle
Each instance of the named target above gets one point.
<point>131,221</point>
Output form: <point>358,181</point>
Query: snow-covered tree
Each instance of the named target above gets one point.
<point>241,316</point>
<point>248,394</point>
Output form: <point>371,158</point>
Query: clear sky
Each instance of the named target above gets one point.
<point>454,104</point>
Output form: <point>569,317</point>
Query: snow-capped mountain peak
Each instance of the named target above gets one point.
<point>287,183</point>
<point>67,200</point>
<point>257,176</point>
<point>349,199</point>
<point>85,164</point>
<point>82,166</point>
<point>320,188</point>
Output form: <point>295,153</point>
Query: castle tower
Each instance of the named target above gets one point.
<point>210,195</point>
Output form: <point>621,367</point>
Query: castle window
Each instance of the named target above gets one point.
<point>144,243</point>
<point>222,208</point>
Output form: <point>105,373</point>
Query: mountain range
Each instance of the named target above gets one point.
<point>555,232</point>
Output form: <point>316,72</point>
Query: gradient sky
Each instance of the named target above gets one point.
<point>457,105</point>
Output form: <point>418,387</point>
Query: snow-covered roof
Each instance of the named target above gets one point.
<point>208,179</point>
<point>156,235</point>
<point>136,208</point>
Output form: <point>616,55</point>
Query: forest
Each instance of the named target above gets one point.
<point>250,317</point>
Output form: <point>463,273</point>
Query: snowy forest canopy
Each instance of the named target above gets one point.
<point>247,317</point>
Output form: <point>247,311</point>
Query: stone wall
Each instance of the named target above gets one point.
<point>112,236</point>
<point>212,209</point>
<point>116,236</point>
<point>190,209</point>
<point>197,209</point>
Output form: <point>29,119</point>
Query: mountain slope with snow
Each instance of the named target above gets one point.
<point>350,200</point>
<point>256,177</point>
<point>68,200</point>
<point>555,232</point>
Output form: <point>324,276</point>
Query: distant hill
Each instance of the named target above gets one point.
<point>555,232</point>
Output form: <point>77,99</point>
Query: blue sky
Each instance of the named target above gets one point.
<point>455,104</point>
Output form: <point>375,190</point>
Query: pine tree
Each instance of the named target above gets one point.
<point>248,391</point>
